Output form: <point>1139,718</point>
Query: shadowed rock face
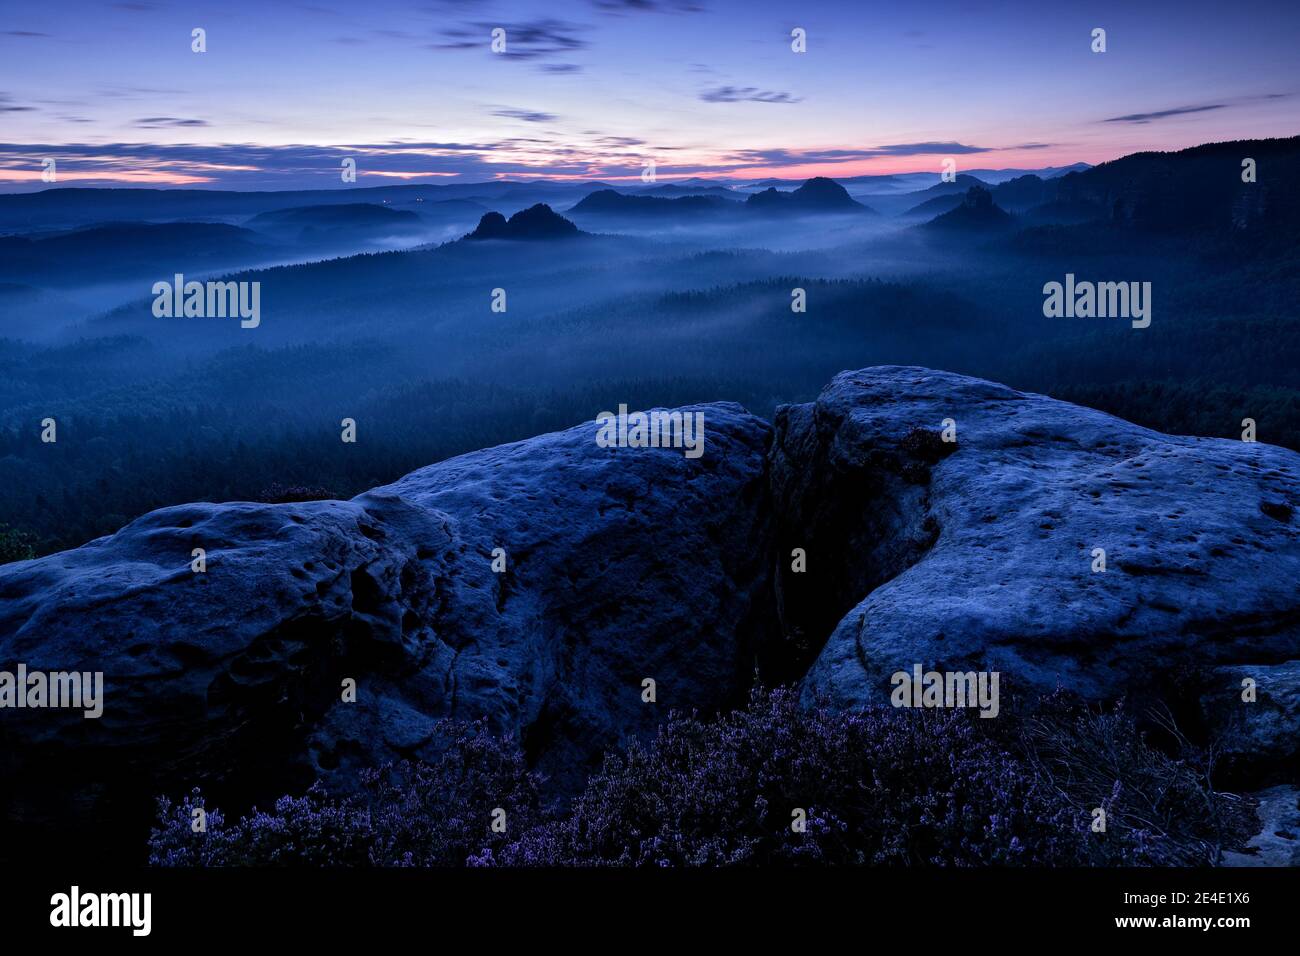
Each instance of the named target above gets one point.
<point>988,555</point>
<point>622,564</point>
<point>629,563</point>
<point>1267,729</point>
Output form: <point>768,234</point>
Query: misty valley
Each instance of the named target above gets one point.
<point>633,295</point>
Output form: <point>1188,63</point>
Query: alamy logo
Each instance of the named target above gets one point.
<point>657,429</point>
<point>53,689</point>
<point>103,909</point>
<point>1101,300</point>
<point>211,299</point>
<point>946,689</point>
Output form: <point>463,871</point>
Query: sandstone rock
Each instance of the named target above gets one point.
<point>1278,841</point>
<point>1260,735</point>
<point>622,564</point>
<point>626,563</point>
<point>978,555</point>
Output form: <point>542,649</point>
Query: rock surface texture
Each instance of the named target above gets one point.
<point>980,552</point>
<point>623,564</point>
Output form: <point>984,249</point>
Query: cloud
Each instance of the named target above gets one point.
<point>589,154</point>
<point>648,6</point>
<point>528,116</point>
<point>168,122</point>
<point>351,40</point>
<point>137,92</point>
<point>560,68</point>
<point>529,40</point>
<point>927,149</point>
<point>248,165</point>
<point>766,157</point>
<point>745,94</point>
<point>1164,114</point>
<point>24,33</point>
<point>6,105</point>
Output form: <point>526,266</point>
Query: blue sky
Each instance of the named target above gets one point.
<point>591,89</point>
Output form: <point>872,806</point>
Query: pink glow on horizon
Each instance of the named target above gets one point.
<point>152,177</point>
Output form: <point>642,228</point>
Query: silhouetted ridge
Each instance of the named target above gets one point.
<point>535,222</point>
<point>977,211</point>
<point>339,214</point>
<point>608,201</point>
<point>817,194</point>
<point>1195,191</point>
<point>820,191</point>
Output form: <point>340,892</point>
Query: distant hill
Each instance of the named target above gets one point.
<point>1023,192</point>
<point>977,213</point>
<point>818,194</point>
<point>675,190</point>
<point>609,202</point>
<point>1193,191</point>
<point>344,215</point>
<point>535,222</point>
<point>995,177</point>
<point>1014,195</point>
<point>71,206</point>
<point>815,196</point>
<point>126,249</point>
<point>934,206</point>
<point>957,187</point>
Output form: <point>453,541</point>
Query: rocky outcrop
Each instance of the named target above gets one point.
<point>535,222</point>
<point>892,547</point>
<point>980,553</point>
<point>976,213</point>
<point>816,195</point>
<point>621,564</point>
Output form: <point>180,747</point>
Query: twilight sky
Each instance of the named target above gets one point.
<point>590,89</point>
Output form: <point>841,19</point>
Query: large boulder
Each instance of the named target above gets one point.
<point>978,554</point>
<point>621,564</point>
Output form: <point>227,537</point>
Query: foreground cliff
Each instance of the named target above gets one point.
<point>621,565</point>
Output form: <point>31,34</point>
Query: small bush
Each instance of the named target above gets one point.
<point>878,787</point>
<point>1161,809</point>
<point>428,814</point>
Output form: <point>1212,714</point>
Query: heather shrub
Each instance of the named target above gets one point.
<point>408,814</point>
<point>313,830</point>
<point>1161,808</point>
<point>892,787</point>
<point>880,787</point>
<point>439,814</point>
